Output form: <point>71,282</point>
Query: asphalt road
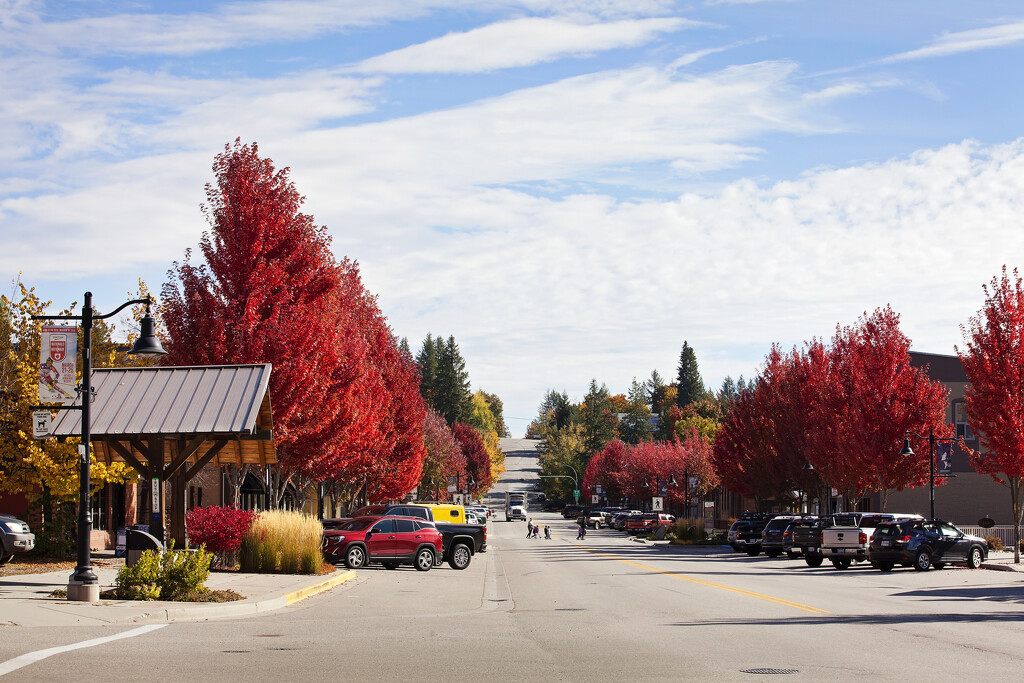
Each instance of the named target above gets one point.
<point>602,609</point>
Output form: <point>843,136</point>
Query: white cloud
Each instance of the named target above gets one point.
<point>965,41</point>
<point>517,43</point>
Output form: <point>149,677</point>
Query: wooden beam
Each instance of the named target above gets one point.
<point>186,452</point>
<point>210,454</point>
<point>127,455</point>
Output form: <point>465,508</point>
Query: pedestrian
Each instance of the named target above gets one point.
<point>536,530</point>
<point>547,532</point>
<point>582,533</point>
<point>529,528</point>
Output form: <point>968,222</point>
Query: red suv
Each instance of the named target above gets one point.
<point>391,541</point>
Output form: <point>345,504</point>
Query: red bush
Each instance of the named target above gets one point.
<point>219,528</point>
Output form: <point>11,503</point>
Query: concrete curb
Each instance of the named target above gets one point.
<point>241,608</point>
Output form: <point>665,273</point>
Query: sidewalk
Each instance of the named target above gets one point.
<point>25,599</point>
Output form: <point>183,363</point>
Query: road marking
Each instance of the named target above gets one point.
<point>39,655</point>
<point>710,584</point>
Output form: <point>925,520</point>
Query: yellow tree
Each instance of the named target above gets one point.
<point>483,418</point>
<point>44,471</point>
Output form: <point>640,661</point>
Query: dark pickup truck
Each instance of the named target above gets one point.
<point>461,541</point>
<point>807,540</point>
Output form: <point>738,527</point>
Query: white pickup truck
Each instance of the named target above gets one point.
<point>847,540</point>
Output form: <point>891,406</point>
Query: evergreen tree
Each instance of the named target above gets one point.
<point>690,384</point>
<point>427,359</point>
<point>598,418</point>
<point>451,395</point>
<point>636,424</point>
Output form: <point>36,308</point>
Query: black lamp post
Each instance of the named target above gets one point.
<point>83,585</point>
<point>908,452</point>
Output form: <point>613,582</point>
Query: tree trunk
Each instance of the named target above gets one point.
<point>235,476</point>
<point>1018,512</point>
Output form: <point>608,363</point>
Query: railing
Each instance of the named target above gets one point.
<point>1004,532</point>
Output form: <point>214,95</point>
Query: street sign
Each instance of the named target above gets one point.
<point>599,489</point>
<point>41,424</point>
<point>576,495</point>
<point>658,504</point>
<point>595,499</point>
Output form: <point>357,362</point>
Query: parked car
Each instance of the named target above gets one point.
<point>846,541</point>
<point>619,521</point>
<point>773,541</point>
<point>461,541</point>
<point>924,543</point>
<point>391,541</point>
<point>572,510</point>
<point>742,526</point>
<point>647,522</point>
<point>15,537</point>
<point>803,539</point>
<point>553,505</point>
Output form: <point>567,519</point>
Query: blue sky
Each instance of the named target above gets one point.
<point>572,188</point>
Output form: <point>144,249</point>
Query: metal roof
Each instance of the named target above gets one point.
<point>213,401</point>
<point>216,399</point>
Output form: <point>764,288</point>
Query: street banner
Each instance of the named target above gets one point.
<point>57,355</point>
<point>41,420</point>
<point>453,484</point>
<point>663,488</point>
<point>944,458</point>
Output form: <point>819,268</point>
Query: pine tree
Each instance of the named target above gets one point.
<point>690,384</point>
<point>598,418</point>
<point>427,358</point>
<point>452,397</point>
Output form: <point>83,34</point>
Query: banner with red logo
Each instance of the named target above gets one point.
<point>57,356</point>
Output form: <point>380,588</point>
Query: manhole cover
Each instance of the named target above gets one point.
<point>769,671</point>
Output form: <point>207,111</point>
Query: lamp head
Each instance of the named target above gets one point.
<point>907,451</point>
<point>148,344</point>
<point>672,480</point>
<point>644,484</point>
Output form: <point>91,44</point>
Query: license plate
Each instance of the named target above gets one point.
<point>812,550</point>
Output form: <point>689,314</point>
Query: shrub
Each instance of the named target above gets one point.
<point>994,542</point>
<point>183,572</point>
<point>688,530</point>
<point>140,582</point>
<point>282,540</point>
<point>173,575</point>
<point>219,529</point>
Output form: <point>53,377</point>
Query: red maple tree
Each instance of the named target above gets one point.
<point>993,359</point>
<point>478,461</point>
<point>444,458</point>
<point>603,470</point>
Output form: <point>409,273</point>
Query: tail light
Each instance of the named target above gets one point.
<point>863,538</point>
<point>905,538</point>
<point>821,538</point>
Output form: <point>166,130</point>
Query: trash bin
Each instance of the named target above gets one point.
<point>138,542</point>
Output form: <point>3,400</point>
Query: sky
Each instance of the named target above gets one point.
<point>571,188</point>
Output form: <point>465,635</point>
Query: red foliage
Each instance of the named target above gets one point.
<point>220,529</point>
<point>444,458</point>
<point>994,363</point>
<point>604,468</point>
<point>346,402</point>
<point>478,462</point>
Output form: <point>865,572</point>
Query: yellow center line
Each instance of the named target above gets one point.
<point>710,584</point>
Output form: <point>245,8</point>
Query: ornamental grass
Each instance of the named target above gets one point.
<point>282,541</point>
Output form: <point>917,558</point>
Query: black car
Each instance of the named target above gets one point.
<point>773,536</point>
<point>924,543</point>
<point>745,533</point>
<point>572,511</point>
<point>553,505</point>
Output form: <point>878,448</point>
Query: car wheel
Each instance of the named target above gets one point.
<point>923,561</point>
<point>460,557</point>
<point>4,559</point>
<point>974,558</point>
<point>885,566</point>
<point>753,553</point>
<point>791,555</point>
<point>390,565</point>
<point>814,560</point>
<point>424,559</point>
<point>355,557</point>
<point>842,563</point>
<point>772,553</point>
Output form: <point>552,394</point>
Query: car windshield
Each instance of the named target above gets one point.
<point>357,524</point>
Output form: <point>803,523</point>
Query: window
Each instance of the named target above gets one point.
<point>386,526</point>
<point>98,508</point>
<point>404,526</point>
<point>963,427</point>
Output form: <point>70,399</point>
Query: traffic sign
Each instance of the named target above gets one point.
<point>576,495</point>
<point>658,504</point>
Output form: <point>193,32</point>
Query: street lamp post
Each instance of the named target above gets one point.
<point>908,452</point>
<point>671,481</point>
<point>83,585</point>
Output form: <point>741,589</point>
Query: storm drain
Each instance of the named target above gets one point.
<point>769,671</point>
